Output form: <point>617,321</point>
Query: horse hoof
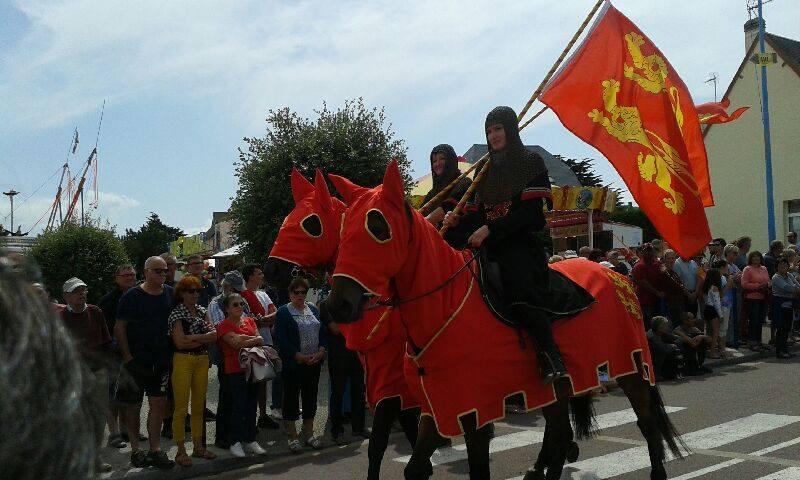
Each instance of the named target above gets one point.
<point>533,475</point>
<point>573,452</point>
<point>659,473</point>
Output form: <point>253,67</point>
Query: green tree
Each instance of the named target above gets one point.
<point>635,216</point>
<point>353,141</point>
<point>90,252</point>
<point>150,239</point>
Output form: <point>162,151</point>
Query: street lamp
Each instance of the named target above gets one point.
<point>11,194</point>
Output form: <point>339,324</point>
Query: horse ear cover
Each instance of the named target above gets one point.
<point>393,188</point>
<point>347,189</point>
<point>323,195</point>
<point>301,187</point>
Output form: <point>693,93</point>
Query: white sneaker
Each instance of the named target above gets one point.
<point>255,448</point>
<point>237,451</point>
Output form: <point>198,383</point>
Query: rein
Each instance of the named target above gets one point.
<point>397,301</point>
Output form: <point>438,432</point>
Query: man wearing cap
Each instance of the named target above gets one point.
<point>232,282</point>
<point>715,249</point>
<point>141,332</point>
<point>88,327</point>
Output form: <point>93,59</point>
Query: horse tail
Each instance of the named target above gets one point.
<point>665,427</point>
<point>583,416</point>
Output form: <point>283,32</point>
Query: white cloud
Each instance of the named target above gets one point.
<point>437,66</point>
<point>195,230</point>
<point>116,201</point>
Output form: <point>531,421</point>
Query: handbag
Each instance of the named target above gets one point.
<point>261,364</point>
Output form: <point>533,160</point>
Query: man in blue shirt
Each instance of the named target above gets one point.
<point>141,332</point>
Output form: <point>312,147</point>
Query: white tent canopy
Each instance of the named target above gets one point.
<point>229,252</point>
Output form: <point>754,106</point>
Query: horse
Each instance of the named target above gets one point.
<point>309,239</point>
<point>462,361</point>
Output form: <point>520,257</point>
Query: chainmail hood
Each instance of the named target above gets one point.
<point>512,168</point>
<point>450,171</point>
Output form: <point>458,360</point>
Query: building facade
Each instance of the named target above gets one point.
<point>736,149</point>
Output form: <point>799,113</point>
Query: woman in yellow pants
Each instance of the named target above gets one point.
<point>191,331</point>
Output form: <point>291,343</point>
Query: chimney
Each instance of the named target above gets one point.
<point>751,32</point>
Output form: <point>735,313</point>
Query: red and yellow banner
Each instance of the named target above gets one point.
<point>619,94</point>
<point>716,112</point>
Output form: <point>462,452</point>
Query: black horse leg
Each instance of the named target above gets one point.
<point>409,421</point>
<point>419,467</point>
<point>477,440</point>
<point>538,470</point>
<point>559,441</point>
<point>385,414</point>
<point>638,394</point>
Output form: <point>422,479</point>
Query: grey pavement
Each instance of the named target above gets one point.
<point>279,458</point>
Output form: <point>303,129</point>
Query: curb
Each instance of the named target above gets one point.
<point>747,357</point>
<point>223,465</point>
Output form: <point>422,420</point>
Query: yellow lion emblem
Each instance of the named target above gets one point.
<point>661,162</point>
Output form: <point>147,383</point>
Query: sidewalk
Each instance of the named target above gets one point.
<point>274,441</point>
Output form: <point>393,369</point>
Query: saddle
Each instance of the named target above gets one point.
<point>565,298</point>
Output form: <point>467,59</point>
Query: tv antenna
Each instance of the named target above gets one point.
<point>713,77</point>
<point>752,7</point>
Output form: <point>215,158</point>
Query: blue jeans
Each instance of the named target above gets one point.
<point>243,398</point>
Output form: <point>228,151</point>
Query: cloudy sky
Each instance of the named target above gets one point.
<point>185,81</point>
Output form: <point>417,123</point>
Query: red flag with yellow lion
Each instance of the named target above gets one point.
<point>619,94</point>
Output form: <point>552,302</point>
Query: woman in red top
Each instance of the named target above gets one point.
<point>234,333</point>
<point>756,286</point>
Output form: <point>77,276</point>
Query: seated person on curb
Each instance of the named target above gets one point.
<point>667,357</point>
<point>693,345</point>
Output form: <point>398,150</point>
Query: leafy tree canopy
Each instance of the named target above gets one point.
<point>150,239</point>
<point>90,252</point>
<point>353,141</point>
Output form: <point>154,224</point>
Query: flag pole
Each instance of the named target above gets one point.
<point>536,93</point>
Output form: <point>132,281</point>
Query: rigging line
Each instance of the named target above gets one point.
<point>42,217</point>
<point>16,207</point>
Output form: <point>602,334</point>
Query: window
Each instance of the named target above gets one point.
<point>793,215</point>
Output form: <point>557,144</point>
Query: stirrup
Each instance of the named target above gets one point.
<point>551,370</point>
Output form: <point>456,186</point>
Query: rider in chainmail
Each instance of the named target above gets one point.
<point>450,173</point>
<point>505,217</point>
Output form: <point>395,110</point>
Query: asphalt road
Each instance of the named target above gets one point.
<point>742,422</point>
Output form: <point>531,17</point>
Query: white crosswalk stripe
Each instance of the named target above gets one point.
<point>632,459</point>
<point>791,473</point>
<point>736,461</point>
<point>528,437</point>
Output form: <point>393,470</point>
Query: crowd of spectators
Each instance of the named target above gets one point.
<point>716,301</point>
<point>158,338</point>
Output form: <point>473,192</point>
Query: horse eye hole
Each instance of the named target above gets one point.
<point>378,227</point>
<point>312,225</point>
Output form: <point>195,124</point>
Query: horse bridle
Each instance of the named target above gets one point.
<point>396,301</point>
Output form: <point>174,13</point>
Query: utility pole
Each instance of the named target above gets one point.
<point>11,193</point>
<point>765,119</point>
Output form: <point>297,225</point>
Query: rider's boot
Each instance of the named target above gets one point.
<point>551,365</point>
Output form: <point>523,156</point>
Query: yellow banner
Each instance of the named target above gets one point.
<point>583,198</point>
